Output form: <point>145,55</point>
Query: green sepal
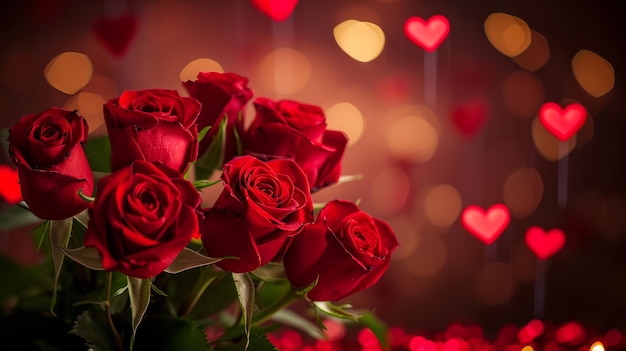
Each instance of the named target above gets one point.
<point>246,293</point>
<point>60,232</point>
<point>270,272</point>
<point>188,259</point>
<point>344,311</point>
<point>202,133</point>
<point>41,232</point>
<point>204,183</point>
<point>213,157</point>
<point>86,256</point>
<point>139,293</point>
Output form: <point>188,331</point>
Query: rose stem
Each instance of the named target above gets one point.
<point>207,276</point>
<point>107,306</point>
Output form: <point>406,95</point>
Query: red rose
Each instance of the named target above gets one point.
<point>143,216</point>
<point>47,149</point>
<point>346,250</point>
<point>263,204</point>
<point>220,94</point>
<point>289,129</point>
<point>154,125</point>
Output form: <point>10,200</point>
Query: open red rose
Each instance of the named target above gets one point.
<point>345,250</point>
<point>289,129</point>
<point>48,150</point>
<point>143,217</point>
<point>221,94</point>
<point>262,206</point>
<point>154,125</point>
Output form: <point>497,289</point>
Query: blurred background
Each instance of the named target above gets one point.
<point>431,132</point>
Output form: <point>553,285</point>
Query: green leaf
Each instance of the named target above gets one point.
<point>245,291</point>
<point>170,334</point>
<point>213,157</point>
<point>86,256</point>
<point>60,231</point>
<point>139,293</point>
<point>188,259</point>
<point>92,326</point>
<point>256,342</point>
<point>98,152</point>
<point>17,217</point>
<point>376,326</point>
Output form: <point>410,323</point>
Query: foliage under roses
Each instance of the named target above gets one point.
<point>156,267</point>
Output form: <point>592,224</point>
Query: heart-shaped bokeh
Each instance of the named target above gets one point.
<point>562,122</point>
<point>486,225</point>
<point>10,189</point>
<point>116,33</point>
<point>428,34</point>
<point>277,10</point>
<point>543,243</point>
<point>470,116</point>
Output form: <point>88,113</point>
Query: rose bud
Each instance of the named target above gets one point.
<point>153,125</point>
<point>48,150</point>
<point>345,251</point>
<point>143,217</point>
<point>221,94</point>
<point>262,206</point>
<point>289,129</point>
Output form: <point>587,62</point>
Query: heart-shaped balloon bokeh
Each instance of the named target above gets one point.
<point>562,122</point>
<point>486,225</point>
<point>543,243</point>
<point>428,34</point>
<point>116,33</point>
<point>10,189</point>
<point>277,10</point>
<point>363,41</point>
<point>470,116</point>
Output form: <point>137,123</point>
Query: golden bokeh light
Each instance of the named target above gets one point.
<point>363,41</point>
<point>347,118</point>
<point>412,139</point>
<point>527,348</point>
<point>284,71</point>
<point>69,72</point>
<point>89,105</point>
<point>594,74</point>
<point>548,146</point>
<point>442,205</point>
<point>494,283</point>
<point>429,257</point>
<point>523,94</point>
<point>191,70</point>
<point>389,190</point>
<point>536,55</point>
<point>508,34</point>
<point>523,190</point>
<point>597,346</point>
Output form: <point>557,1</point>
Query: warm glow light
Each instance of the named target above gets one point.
<point>548,146</point>
<point>412,139</point>
<point>523,190</point>
<point>89,105</point>
<point>284,71</point>
<point>597,346</point>
<point>389,190</point>
<point>536,55</point>
<point>363,41</point>
<point>508,34</point>
<point>523,94</point>
<point>527,348</point>
<point>347,118</point>
<point>429,257</point>
<point>442,205</point>
<point>69,72</point>
<point>191,70</point>
<point>493,284</point>
<point>594,74</point>
<point>102,85</point>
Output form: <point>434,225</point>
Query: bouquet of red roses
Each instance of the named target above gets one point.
<point>141,261</point>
